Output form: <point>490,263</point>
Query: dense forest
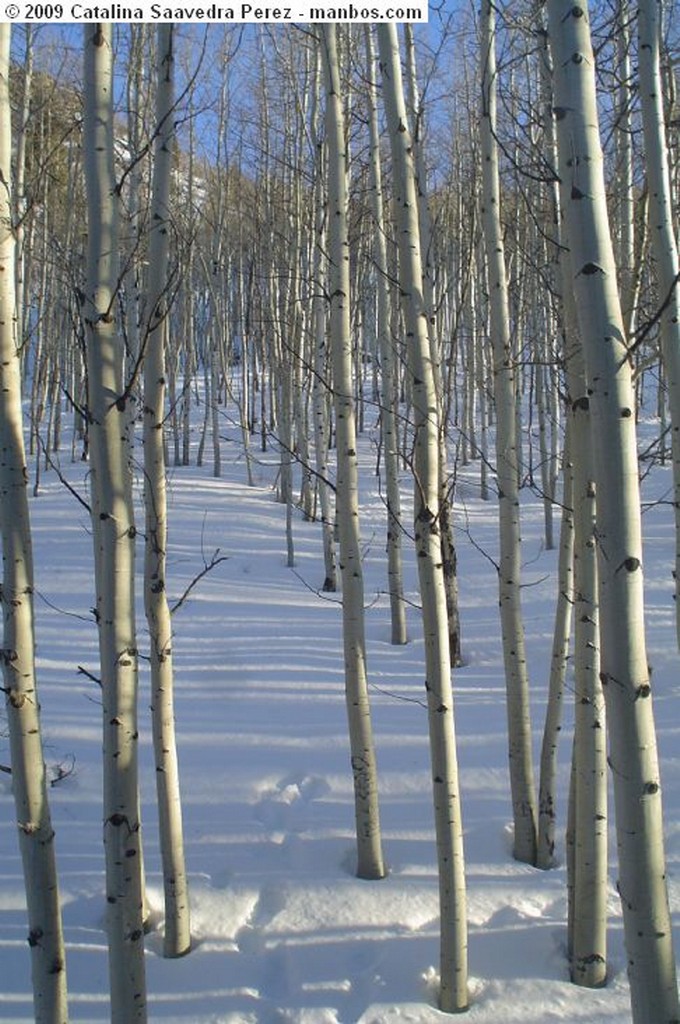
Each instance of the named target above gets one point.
<point>443,257</point>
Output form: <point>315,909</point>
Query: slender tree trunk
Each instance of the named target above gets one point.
<point>29,785</point>
<point>449,557</point>
<point>563,614</point>
<point>625,250</point>
<point>369,846</point>
<point>547,479</point>
<point>516,676</point>
<point>388,390</point>
<point>215,387</point>
<point>19,194</point>
<point>190,363</point>
<point>320,400</point>
<point>114,542</point>
<point>177,940</point>
<point>453,996</point>
<point>663,238</point>
<point>547,817</point>
<point>588,924</point>
<point>138,99</point>
<point>479,342</point>
<point>625,672</point>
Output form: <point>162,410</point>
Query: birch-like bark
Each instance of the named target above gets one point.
<point>589,925</point>
<point>320,396</point>
<point>453,995</point>
<point>449,556</point>
<point>481,377</point>
<point>509,573</point>
<point>663,238</point>
<point>215,377</point>
<point>369,845</point>
<point>137,100</point>
<point>177,938</point>
<point>547,790</point>
<point>588,907</point>
<point>625,250</point>
<point>20,199</point>
<point>29,784</point>
<point>388,391</point>
<point>189,300</point>
<point>624,668</point>
<point>114,542</point>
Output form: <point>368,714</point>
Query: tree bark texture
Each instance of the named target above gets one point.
<point>114,542</point>
<point>662,236</point>
<point>388,384</point>
<point>177,938</point>
<point>369,846</point>
<point>624,668</point>
<point>453,996</point>
<point>588,928</point>
<point>525,813</point>
<point>29,784</point>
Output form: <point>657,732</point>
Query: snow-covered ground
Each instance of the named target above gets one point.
<point>283,931</point>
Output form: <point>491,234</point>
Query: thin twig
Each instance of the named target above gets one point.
<point>208,567</point>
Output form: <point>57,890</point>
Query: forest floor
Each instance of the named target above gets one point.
<point>283,931</point>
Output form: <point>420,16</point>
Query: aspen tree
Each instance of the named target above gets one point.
<point>625,184</point>
<point>136,103</point>
<point>41,341</point>
<point>20,199</point>
<point>189,298</point>
<point>243,402</point>
<point>453,995</point>
<point>320,396</point>
<point>296,312</point>
<point>369,845</point>
<point>29,784</point>
<point>545,850</point>
<point>449,557</point>
<point>588,861</point>
<point>624,669</point>
<point>507,466</point>
<point>177,940</point>
<point>482,361</point>
<point>547,816</point>
<point>114,542</point>
<point>388,392</point>
<point>663,237</point>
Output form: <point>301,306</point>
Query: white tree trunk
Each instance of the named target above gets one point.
<point>507,462</point>
<point>625,182</point>
<point>625,672</point>
<point>388,389</point>
<point>547,817</point>
<point>29,785</point>
<point>664,242</point>
<point>20,199</point>
<point>548,480</point>
<point>215,342</point>
<point>449,557</point>
<point>453,995</point>
<point>588,924</point>
<point>369,846</point>
<point>177,939</point>
<point>320,397</point>
<point>563,614</point>
<point>114,542</point>
<point>137,101</point>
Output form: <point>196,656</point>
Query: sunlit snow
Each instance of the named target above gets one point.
<point>283,931</point>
